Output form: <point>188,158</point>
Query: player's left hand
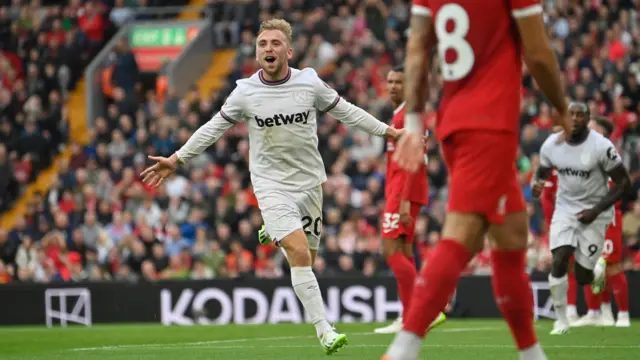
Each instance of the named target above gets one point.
<point>394,133</point>
<point>405,213</point>
<point>410,152</point>
<point>587,216</point>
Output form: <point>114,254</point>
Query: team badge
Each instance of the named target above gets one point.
<point>302,97</point>
<point>585,157</point>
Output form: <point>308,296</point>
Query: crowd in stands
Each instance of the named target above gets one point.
<point>99,221</point>
<point>44,46</point>
<point>42,52</point>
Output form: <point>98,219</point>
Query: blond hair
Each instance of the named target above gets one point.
<point>277,24</point>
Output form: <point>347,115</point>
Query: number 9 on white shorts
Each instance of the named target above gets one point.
<point>587,239</point>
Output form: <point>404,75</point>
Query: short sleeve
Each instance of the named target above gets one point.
<point>326,97</point>
<point>420,8</point>
<point>525,8</point>
<point>233,108</point>
<point>609,157</point>
<point>545,150</point>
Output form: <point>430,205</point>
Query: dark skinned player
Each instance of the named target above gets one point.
<point>584,162</point>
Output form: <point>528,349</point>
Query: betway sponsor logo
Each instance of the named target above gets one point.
<point>283,119</point>
<point>585,174</point>
<point>244,305</point>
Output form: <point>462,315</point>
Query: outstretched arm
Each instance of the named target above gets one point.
<point>539,56</point>
<point>409,154</point>
<point>417,65</point>
<point>328,100</point>
<point>204,137</point>
<point>352,115</point>
<point>230,114</point>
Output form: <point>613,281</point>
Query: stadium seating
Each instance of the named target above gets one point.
<point>99,214</point>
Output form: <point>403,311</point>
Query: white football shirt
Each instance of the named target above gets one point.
<point>281,117</point>
<point>582,173</point>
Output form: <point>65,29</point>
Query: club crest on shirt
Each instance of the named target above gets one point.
<point>585,157</point>
<point>302,97</point>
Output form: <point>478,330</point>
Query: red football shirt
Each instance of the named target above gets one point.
<point>480,60</point>
<point>622,121</point>
<point>412,186</point>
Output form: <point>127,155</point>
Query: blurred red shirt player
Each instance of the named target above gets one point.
<point>406,193</point>
<point>480,46</point>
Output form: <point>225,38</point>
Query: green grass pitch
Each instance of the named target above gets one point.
<point>455,340</point>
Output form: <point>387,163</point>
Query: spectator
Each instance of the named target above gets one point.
<point>121,14</point>
<point>8,182</point>
<point>27,256</point>
<point>92,23</point>
<point>201,271</point>
<point>90,229</point>
<point>126,74</point>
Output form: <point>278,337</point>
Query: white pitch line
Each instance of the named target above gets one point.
<point>426,345</point>
<point>243,340</point>
<point>469,346</point>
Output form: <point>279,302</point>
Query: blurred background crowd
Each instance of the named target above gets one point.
<point>98,221</point>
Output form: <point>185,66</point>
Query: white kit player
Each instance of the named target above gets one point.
<point>584,162</point>
<point>279,104</point>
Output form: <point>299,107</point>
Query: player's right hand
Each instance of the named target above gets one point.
<point>536,189</point>
<point>394,133</point>
<point>410,152</point>
<point>405,213</point>
<point>155,174</point>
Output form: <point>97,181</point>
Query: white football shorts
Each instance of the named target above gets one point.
<point>588,240</point>
<point>284,212</point>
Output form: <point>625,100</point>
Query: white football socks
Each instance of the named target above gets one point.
<point>558,288</point>
<point>406,345</point>
<point>306,287</point>
<point>533,353</point>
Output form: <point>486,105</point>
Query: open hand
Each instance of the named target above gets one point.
<point>155,174</point>
<point>410,152</point>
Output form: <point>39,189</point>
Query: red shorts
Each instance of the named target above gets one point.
<point>483,175</point>
<point>392,228</point>
<point>612,251</point>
